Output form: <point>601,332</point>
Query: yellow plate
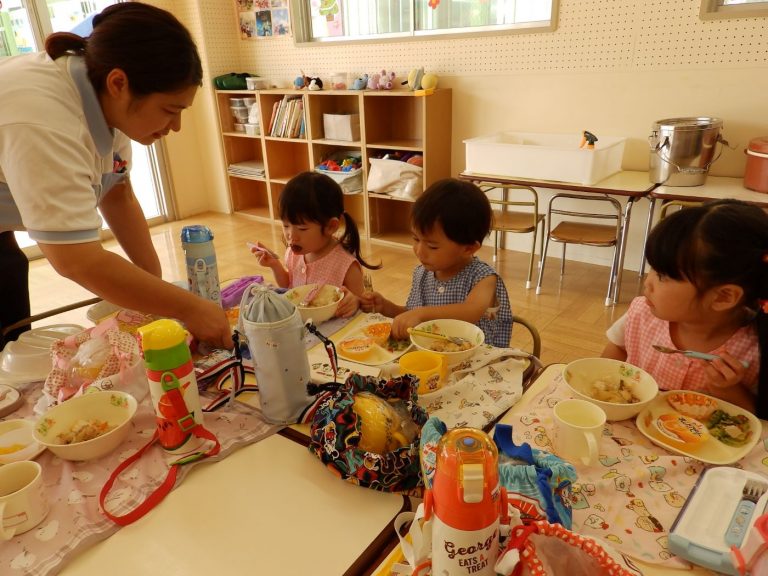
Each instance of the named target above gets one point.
<point>711,451</point>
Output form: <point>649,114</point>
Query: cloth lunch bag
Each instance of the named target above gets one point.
<point>274,330</point>
<point>396,178</point>
<point>335,435</point>
<point>538,483</point>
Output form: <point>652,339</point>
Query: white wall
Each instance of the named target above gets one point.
<point>612,67</point>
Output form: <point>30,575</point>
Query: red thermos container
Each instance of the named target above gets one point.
<point>756,173</point>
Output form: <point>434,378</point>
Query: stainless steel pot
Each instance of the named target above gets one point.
<point>683,149</point>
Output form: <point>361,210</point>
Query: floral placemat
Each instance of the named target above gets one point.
<point>75,521</point>
<point>633,495</point>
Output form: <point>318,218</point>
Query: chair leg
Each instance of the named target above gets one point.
<point>541,263</point>
<point>541,243</point>
<point>613,278</point>
<point>530,262</point>
<point>562,262</point>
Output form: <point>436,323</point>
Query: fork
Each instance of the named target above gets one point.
<point>368,286</point>
<point>458,340</point>
<point>751,493</point>
<point>692,354</point>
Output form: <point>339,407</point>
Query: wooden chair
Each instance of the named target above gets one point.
<point>584,230</point>
<point>515,221</point>
<point>42,316</point>
<point>679,204</point>
<point>535,352</point>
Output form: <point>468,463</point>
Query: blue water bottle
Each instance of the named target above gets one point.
<point>202,274</point>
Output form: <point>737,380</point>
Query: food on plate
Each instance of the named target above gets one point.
<point>84,430</point>
<point>692,404</point>
<point>233,315</point>
<point>613,389</point>
<point>448,346</point>
<point>327,294</point>
<point>393,345</point>
<point>681,429</point>
<point>357,348</point>
<point>10,449</point>
<point>730,429</point>
<point>378,332</point>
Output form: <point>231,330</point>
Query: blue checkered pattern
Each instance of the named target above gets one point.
<point>426,290</point>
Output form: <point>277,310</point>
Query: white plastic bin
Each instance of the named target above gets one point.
<point>544,156</point>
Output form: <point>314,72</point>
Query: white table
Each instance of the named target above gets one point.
<point>269,508</point>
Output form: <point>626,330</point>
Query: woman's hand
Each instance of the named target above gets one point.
<point>208,323</point>
<point>348,305</point>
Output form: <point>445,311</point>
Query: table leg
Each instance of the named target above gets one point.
<point>648,226</point>
<point>622,249</point>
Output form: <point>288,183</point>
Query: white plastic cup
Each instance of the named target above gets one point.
<point>578,429</point>
<point>23,503</point>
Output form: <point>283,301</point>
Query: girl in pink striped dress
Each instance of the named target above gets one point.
<point>323,242</point>
<point>706,291</point>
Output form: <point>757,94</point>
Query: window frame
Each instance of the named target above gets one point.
<point>715,10</point>
<point>301,24</point>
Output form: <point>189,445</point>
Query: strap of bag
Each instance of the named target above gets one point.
<point>161,491</point>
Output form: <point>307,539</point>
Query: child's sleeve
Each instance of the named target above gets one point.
<point>615,333</point>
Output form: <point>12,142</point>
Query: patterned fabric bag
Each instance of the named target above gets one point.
<point>538,483</point>
<point>335,435</point>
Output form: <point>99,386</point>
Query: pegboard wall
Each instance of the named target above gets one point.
<point>592,36</point>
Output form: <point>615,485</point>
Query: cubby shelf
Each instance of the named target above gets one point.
<point>397,120</point>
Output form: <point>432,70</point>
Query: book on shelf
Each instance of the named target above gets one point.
<point>287,115</point>
<point>252,168</point>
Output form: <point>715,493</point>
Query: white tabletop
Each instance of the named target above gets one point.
<point>714,188</point>
<point>269,508</point>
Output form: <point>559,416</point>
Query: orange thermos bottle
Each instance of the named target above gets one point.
<point>467,504</point>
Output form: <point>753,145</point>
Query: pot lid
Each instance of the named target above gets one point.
<point>759,145</point>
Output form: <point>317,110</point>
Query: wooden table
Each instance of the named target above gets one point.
<point>269,508</point>
<point>626,183</point>
<point>714,188</point>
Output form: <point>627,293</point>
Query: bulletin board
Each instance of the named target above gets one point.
<point>262,18</point>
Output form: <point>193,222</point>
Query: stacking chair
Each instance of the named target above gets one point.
<point>584,230</point>
<point>535,366</point>
<point>515,221</point>
<point>679,204</point>
<point>42,316</point>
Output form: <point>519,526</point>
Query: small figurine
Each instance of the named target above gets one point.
<point>360,83</point>
<point>315,84</point>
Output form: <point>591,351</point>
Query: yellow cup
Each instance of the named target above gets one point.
<point>429,367</point>
<point>380,425</point>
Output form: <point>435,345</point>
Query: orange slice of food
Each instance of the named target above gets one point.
<point>692,404</point>
<point>378,332</point>
<point>681,430</point>
<point>356,348</point>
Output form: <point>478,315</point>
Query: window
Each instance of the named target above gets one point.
<point>717,9</point>
<point>356,20</point>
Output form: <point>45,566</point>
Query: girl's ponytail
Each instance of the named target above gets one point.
<point>350,241</point>
<point>761,322</point>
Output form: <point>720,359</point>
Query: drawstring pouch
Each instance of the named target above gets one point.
<point>538,483</point>
<point>335,435</point>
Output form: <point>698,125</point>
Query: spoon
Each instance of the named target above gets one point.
<point>692,354</point>
<point>307,300</point>
<point>454,339</point>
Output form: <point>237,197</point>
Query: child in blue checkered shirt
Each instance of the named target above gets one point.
<point>449,222</point>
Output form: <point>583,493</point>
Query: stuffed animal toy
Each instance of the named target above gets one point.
<point>418,80</point>
<point>315,84</point>
<point>373,82</point>
<point>385,81</point>
<point>301,81</point>
<point>360,83</point>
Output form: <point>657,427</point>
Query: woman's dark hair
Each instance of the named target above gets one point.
<point>461,208</point>
<point>315,197</point>
<point>150,45</point>
<point>722,242</point>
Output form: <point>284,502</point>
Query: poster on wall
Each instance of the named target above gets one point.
<point>326,18</point>
<point>262,18</point>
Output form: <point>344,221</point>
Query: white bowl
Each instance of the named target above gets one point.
<point>22,362</point>
<point>580,375</point>
<point>113,407</point>
<point>449,327</point>
<point>318,314</point>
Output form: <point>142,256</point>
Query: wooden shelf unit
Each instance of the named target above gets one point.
<point>390,121</point>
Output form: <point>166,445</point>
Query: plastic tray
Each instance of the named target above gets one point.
<point>698,534</point>
<point>354,329</point>
<point>712,451</point>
